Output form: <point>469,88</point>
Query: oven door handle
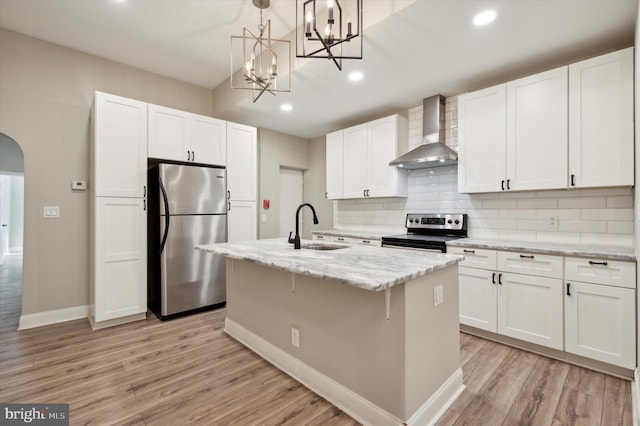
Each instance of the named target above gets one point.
<point>412,247</point>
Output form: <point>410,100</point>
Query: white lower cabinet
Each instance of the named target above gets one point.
<point>241,221</point>
<point>478,299</point>
<point>599,318</point>
<point>526,305</point>
<point>119,264</point>
<point>348,240</point>
<point>585,307</point>
<point>530,309</point>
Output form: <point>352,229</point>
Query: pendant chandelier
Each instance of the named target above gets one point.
<point>328,29</point>
<point>266,62</point>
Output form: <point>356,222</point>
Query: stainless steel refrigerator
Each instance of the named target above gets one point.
<point>187,207</point>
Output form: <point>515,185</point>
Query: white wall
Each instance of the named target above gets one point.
<point>589,216</point>
<point>637,201</point>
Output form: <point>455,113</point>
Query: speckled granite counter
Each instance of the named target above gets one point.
<point>626,254</point>
<point>366,235</point>
<point>370,268</point>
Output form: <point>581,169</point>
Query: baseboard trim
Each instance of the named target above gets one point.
<point>52,317</point>
<point>635,397</point>
<point>361,409</point>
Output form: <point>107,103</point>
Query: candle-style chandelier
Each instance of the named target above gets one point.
<point>320,32</point>
<point>266,62</point>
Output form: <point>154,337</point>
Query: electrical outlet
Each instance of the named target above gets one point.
<point>552,222</point>
<point>263,218</point>
<point>438,295</point>
<point>295,337</point>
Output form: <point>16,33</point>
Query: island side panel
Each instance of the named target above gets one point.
<point>344,333</point>
<point>432,335</point>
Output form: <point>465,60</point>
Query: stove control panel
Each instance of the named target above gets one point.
<point>442,221</point>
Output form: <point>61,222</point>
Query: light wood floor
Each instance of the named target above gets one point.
<point>188,371</point>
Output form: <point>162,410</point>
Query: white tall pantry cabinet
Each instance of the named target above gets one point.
<point>242,182</point>
<point>118,259</point>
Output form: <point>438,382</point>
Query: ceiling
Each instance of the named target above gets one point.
<point>412,48</point>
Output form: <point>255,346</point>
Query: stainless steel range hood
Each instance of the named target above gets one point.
<point>433,152</point>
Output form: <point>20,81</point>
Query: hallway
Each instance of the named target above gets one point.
<point>11,291</point>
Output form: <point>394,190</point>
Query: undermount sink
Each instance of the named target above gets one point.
<point>323,246</point>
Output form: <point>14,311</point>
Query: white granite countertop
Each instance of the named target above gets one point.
<point>626,254</point>
<point>365,235</point>
<point>369,268</point>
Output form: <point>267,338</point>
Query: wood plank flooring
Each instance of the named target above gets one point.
<point>188,371</point>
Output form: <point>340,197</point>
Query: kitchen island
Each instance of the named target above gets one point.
<point>357,325</point>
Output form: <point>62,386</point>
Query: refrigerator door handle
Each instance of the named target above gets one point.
<point>166,214</point>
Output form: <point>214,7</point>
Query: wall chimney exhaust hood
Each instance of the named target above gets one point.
<point>433,152</point>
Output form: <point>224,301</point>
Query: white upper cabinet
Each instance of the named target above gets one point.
<point>182,136</point>
<point>168,134</point>
<point>482,139</point>
<point>118,147</point>
<point>208,140</point>
<point>385,138</point>
<point>537,131</point>
<point>601,121</point>
<point>571,127</point>
<point>514,136</point>
<point>355,161</point>
<point>335,165</point>
<point>242,162</point>
<point>367,150</point>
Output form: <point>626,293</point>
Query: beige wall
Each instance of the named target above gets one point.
<point>282,150</point>
<point>277,150</point>
<point>46,92</point>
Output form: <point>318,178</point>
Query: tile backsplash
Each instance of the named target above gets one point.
<point>587,216</point>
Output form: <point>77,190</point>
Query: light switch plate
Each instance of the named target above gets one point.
<point>51,212</point>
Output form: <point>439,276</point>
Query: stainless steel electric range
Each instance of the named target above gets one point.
<point>429,231</point>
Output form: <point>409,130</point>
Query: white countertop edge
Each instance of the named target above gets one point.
<point>624,254</point>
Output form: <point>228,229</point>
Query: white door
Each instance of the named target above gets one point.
<point>355,161</point>
<point>530,309</point>
<point>242,162</point>
<point>120,257</point>
<point>600,323</point>
<point>601,120</point>
<point>335,165</point>
<point>291,185</point>
<point>482,140</point>
<point>169,134</point>
<point>119,146</point>
<point>478,298</point>
<point>381,149</point>
<point>208,140</point>
<point>537,131</point>
<point>5,200</point>
<point>242,221</point>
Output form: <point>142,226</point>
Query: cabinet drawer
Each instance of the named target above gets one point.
<point>598,271</point>
<point>531,264</point>
<point>475,258</point>
<point>366,242</point>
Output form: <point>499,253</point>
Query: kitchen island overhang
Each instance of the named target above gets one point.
<point>371,339</point>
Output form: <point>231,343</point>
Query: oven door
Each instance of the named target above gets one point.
<point>413,245</point>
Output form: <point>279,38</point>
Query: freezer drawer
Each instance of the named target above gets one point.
<point>191,278</point>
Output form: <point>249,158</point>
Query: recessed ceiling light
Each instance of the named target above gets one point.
<point>356,76</point>
<point>483,18</point>
<point>286,107</point>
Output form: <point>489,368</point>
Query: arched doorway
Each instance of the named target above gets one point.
<point>11,230</point>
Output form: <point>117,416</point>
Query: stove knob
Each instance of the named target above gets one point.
<point>457,222</point>
<point>449,221</point>
<point>410,220</point>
